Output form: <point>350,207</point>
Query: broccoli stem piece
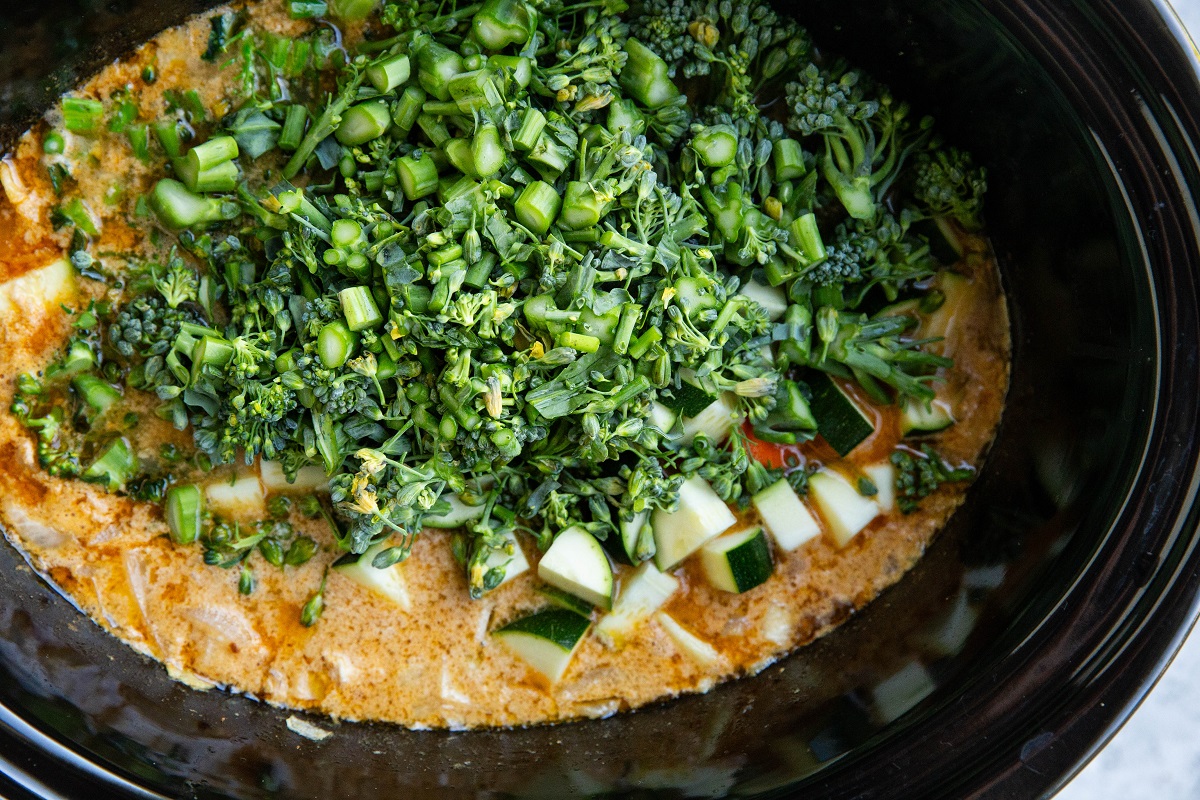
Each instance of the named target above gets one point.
<point>389,74</point>
<point>114,467</point>
<point>183,508</point>
<point>82,115</point>
<point>179,208</point>
<point>363,122</point>
<point>645,76</point>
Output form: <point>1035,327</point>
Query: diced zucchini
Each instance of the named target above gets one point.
<point>308,479</point>
<point>689,643</point>
<point>715,421</point>
<point>642,593</point>
<point>637,540</point>
<point>576,563</point>
<point>737,562</point>
<point>785,515</point>
<point>771,298</point>
<point>242,499</point>
<point>514,565</point>
<point>388,582</point>
<point>545,640</point>
<point>662,417</point>
<point>688,400</point>
<point>839,419</point>
<point>701,516</point>
<point>883,475</point>
<point>917,417</point>
<point>565,600</point>
<point>844,510</point>
<point>459,514</point>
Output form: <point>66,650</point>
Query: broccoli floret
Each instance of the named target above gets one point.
<point>866,140</point>
<point>748,42</point>
<point>845,259</point>
<point>946,183</point>
<point>919,475</point>
<point>148,326</point>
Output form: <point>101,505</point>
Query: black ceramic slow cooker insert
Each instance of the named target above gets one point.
<point>1036,621</point>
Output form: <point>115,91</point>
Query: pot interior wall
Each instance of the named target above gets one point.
<point>1069,447</point>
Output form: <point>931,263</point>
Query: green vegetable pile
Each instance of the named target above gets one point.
<point>474,254</point>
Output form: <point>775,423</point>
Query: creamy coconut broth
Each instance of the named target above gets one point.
<point>425,654</point>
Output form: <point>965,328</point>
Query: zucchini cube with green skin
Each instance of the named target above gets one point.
<point>737,562</point>
<point>715,421</point>
<point>642,594</point>
<point>545,641</point>
<point>577,563</point>
<point>844,511</point>
<point>387,583</point>
<point>840,421</point>
<point>785,515</point>
<point>701,516</point>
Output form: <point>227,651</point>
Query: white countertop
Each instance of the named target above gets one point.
<point>1156,755</point>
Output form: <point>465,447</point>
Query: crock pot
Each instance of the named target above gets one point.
<point>1033,626</point>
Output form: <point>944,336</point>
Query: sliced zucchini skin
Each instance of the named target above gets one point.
<point>738,562</point>
<point>688,400</point>
<point>576,563</point>
<point>839,419</point>
<point>565,600</point>
<point>546,640</point>
<point>916,419</point>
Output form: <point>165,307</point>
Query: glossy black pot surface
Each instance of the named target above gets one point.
<point>1034,624</point>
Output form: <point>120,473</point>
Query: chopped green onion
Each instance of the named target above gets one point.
<point>82,115</point>
<point>408,107</point>
<point>644,342</point>
<point>53,143</point>
<point>139,141</point>
<point>537,207</point>
<point>183,508</point>
<point>359,308</point>
<point>789,160</point>
<point>364,122</point>
<point>434,129</point>
<point>389,74</point>
<point>307,9</point>
<point>418,177</point>
<point>221,178</point>
<point>580,341</point>
<point>345,233</point>
<point>293,127</point>
<point>335,343</point>
<point>214,152</point>
<point>530,130</point>
<point>78,215</point>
